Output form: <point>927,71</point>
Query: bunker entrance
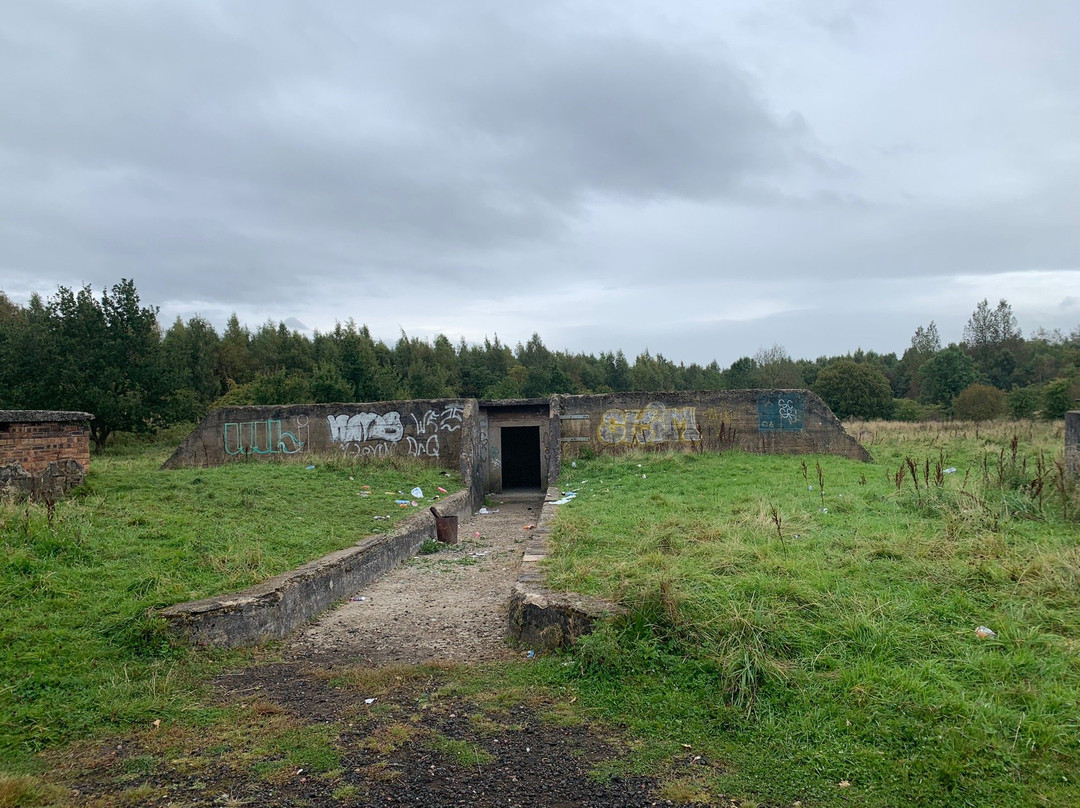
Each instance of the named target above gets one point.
<point>521,457</point>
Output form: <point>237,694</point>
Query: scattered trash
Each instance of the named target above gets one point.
<point>824,510</point>
<point>529,527</point>
<point>380,517</point>
<point>532,654</point>
<point>413,503</point>
<point>480,554</point>
<point>951,470</point>
<point>643,476</point>
<point>488,510</point>
<point>476,535</point>
<point>364,493</point>
<point>157,723</point>
<point>809,488</point>
<point>355,599</point>
<point>844,784</point>
<point>573,464</point>
<point>440,488</point>
<point>369,701</point>
<point>417,492</point>
<point>984,633</point>
<point>350,479</point>
<point>401,502</point>
<point>309,468</point>
<point>563,501</point>
<point>639,465</point>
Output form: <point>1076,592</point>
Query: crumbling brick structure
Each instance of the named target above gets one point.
<point>43,453</point>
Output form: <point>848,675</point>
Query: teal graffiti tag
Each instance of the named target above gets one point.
<point>780,412</point>
<point>263,437</point>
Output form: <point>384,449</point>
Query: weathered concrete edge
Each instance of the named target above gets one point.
<point>276,607</point>
<point>541,618</point>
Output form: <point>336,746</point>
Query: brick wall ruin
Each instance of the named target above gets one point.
<point>43,452</point>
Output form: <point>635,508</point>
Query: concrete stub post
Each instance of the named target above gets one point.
<point>1072,444</point>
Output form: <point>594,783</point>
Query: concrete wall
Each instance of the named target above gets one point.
<point>278,606</point>
<point>760,421</point>
<point>430,429</point>
<point>1072,444</point>
<point>43,452</point>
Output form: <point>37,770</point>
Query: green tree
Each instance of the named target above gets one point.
<point>1023,402</point>
<point>988,327</point>
<point>775,368</point>
<point>190,352</point>
<point>103,356</point>
<point>944,375</point>
<point>978,402</point>
<point>742,375</point>
<point>854,389</point>
<point>1058,398</point>
<point>328,386</point>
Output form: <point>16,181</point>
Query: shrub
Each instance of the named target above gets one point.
<point>852,388</point>
<point>978,402</point>
<point>1058,398</point>
<point>1023,402</point>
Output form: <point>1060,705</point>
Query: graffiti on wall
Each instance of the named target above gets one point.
<point>429,429</point>
<point>369,433</point>
<point>653,423</point>
<point>365,426</point>
<point>780,412</point>
<point>265,437</point>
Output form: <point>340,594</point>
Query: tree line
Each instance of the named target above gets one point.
<point>108,355</point>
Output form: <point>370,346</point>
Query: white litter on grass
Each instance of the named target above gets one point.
<point>984,633</point>
<point>486,511</point>
<point>418,492</point>
<point>950,470</point>
<point>369,701</point>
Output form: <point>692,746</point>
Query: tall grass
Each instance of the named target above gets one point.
<point>811,621</point>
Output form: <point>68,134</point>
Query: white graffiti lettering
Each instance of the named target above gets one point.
<point>365,426</point>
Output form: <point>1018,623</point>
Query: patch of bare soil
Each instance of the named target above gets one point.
<point>352,737</point>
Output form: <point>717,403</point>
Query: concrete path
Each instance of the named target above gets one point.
<point>447,606</point>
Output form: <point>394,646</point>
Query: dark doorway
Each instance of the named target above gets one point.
<point>521,457</point>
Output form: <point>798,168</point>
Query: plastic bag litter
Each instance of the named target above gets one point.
<point>984,633</point>
<point>951,470</point>
<point>418,492</point>
<point>488,510</point>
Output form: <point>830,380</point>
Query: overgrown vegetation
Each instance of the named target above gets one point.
<point>80,647</point>
<point>817,625</point>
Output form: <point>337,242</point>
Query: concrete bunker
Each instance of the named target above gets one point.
<point>514,440</point>
<point>497,447</point>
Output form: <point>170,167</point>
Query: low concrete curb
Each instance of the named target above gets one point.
<point>541,618</point>
<point>278,606</point>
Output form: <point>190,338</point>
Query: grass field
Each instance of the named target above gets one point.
<point>811,624</point>
<point>80,648</point>
<point>799,629</point>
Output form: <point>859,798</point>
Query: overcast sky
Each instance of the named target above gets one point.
<point>702,179</point>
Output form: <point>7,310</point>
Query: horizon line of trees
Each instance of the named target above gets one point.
<point>109,356</point>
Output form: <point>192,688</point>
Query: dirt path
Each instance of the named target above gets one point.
<point>447,606</point>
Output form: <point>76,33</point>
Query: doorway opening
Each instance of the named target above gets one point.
<point>521,457</point>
